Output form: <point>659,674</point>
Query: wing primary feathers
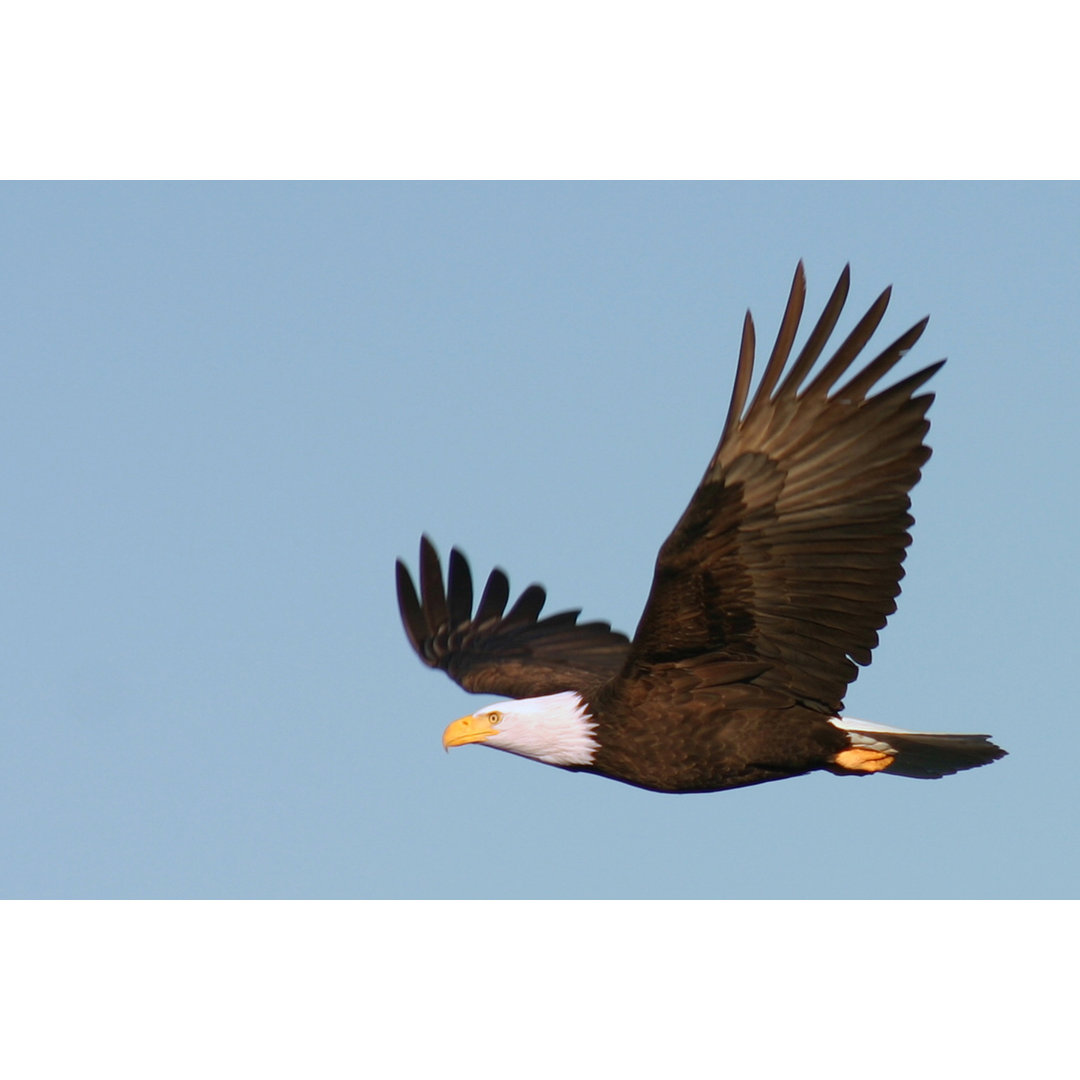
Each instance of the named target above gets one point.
<point>431,586</point>
<point>459,588</point>
<point>493,599</point>
<point>912,383</point>
<point>412,615</point>
<point>857,388</point>
<point>517,655</point>
<point>851,347</point>
<point>785,338</point>
<point>527,606</point>
<point>742,379</point>
<point>818,336</point>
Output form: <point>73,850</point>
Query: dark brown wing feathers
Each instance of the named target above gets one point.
<point>780,572</point>
<point>823,328</point>
<point>785,338</point>
<point>790,550</point>
<point>459,589</point>
<point>493,599</point>
<point>743,374</point>
<point>517,654</point>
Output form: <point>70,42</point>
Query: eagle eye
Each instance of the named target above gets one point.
<point>494,717</point>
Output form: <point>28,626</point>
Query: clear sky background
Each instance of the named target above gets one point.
<point>226,410</point>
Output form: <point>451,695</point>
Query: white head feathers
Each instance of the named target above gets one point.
<point>555,729</point>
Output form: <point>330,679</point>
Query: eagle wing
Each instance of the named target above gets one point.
<point>787,561</point>
<point>516,654</point>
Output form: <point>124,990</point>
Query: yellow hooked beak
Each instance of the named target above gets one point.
<point>468,729</point>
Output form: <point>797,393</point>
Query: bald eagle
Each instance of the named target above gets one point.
<point>769,591</point>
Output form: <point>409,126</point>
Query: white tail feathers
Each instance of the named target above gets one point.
<point>924,755</point>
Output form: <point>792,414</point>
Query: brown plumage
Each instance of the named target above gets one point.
<point>769,591</point>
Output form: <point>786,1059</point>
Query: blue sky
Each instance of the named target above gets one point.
<point>226,410</point>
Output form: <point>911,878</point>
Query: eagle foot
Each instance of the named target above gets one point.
<point>860,759</point>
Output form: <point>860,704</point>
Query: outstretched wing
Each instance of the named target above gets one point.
<point>789,553</point>
<point>515,654</point>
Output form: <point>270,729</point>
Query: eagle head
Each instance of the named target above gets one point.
<point>556,729</point>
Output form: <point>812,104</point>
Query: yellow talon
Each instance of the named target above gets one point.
<point>860,759</point>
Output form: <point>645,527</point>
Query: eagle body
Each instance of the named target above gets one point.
<point>767,594</point>
<point>726,744</point>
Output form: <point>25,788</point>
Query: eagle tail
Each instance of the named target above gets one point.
<point>923,755</point>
